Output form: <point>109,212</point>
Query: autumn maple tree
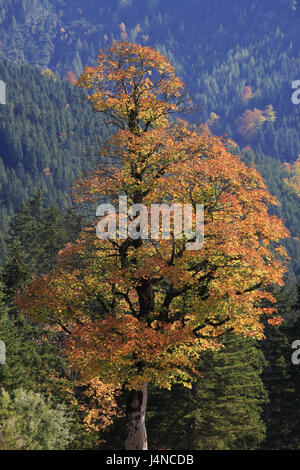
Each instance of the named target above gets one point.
<point>251,121</point>
<point>140,310</point>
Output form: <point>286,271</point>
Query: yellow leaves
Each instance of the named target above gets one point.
<point>121,84</point>
<point>232,269</point>
<point>270,114</point>
<point>100,405</point>
<point>49,74</point>
<point>144,310</point>
<point>281,251</point>
<point>113,345</point>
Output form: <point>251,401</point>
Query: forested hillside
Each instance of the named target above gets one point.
<point>238,64</point>
<point>47,137</point>
<point>217,52</point>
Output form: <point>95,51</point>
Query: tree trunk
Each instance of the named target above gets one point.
<point>136,434</point>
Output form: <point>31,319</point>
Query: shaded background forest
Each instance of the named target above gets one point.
<point>233,60</point>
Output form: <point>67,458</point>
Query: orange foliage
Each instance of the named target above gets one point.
<point>101,405</point>
<point>46,171</point>
<point>123,85</point>
<point>213,117</point>
<point>251,121</point>
<point>71,77</point>
<point>140,311</point>
<point>247,94</point>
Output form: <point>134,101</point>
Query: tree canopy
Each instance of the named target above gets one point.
<point>142,311</point>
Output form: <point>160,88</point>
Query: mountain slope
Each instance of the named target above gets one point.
<point>47,137</point>
<point>217,51</point>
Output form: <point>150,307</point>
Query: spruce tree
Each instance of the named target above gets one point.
<point>223,409</point>
<point>282,381</point>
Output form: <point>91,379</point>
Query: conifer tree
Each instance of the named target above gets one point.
<point>223,409</point>
<point>282,381</point>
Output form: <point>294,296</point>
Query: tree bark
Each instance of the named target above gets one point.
<point>136,434</point>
